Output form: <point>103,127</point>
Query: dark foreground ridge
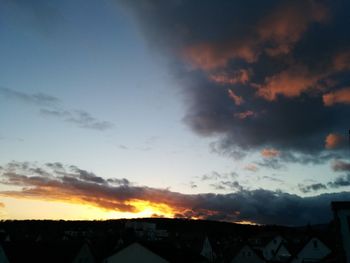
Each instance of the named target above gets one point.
<point>167,240</point>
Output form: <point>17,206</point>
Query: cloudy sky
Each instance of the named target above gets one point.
<point>224,110</point>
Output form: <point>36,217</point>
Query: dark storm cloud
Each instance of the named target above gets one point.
<point>227,185</point>
<point>225,147</point>
<point>279,162</point>
<point>309,158</point>
<point>340,166</point>
<point>338,182</point>
<point>311,187</point>
<point>117,181</point>
<point>83,187</point>
<point>80,118</point>
<point>341,181</point>
<point>57,166</point>
<point>271,178</point>
<point>271,163</point>
<point>86,176</point>
<point>258,74</point>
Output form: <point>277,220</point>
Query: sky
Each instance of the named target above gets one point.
<point>222,110</point>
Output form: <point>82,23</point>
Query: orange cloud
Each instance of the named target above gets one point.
<point>238,100</point>
<point>241,76</point>
<point>209,56</point>
<point>298,79</point>
<point>280,30</point>
<point>289,83</point>
<point>285,26</point>
<point>342,61</point>
<point>334,140</point>
<point>270,153</point>
<point>244,115</point>
<point>339,96</point>
<point>2,205</point>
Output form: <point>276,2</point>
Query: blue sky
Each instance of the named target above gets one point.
<point>107,70</point>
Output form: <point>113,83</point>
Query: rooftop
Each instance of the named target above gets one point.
<point>340,205</point>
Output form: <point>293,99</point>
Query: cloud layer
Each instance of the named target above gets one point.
<point>257,74</point>
<point>50,106</point>
<point>58,182</point>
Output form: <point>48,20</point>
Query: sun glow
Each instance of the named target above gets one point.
<point>149,209</point>
<point>246,222</point>
<point>42,209</point>
<point>143,209</point>
<point>16,208</point>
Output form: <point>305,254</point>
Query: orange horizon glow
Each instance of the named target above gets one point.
<point>247,222</point>
<point>15,208</point>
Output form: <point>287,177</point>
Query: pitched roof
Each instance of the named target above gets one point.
<point>233,252</point>
<point>340,205</point>
<point>300,247</point>
<point>135,252</point>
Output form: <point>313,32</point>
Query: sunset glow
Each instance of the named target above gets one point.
<point>233,111</point>
<point>149,209</point>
